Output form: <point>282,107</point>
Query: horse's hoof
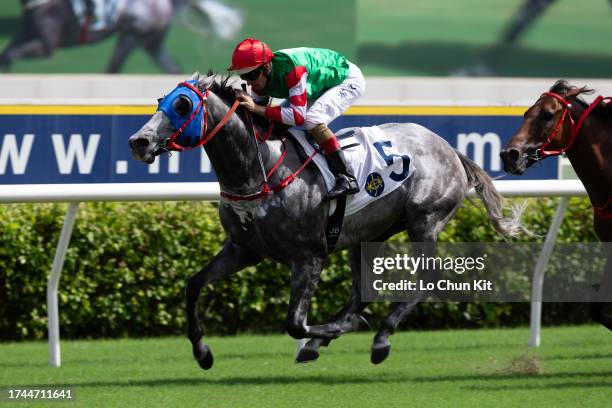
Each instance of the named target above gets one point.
<point>204,356</point>
<point>307,355</point>
<point>380,353</point>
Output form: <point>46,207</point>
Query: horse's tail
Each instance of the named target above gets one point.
<point>493,201</point>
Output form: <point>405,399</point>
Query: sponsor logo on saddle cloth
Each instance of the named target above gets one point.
<point>377,164</point>
<point>104,14</point>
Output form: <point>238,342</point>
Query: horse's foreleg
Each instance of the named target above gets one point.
<point>304,279</point>
<point>347,318</point>
<point>601,310</point>
<point>529,12</point>
<point>230,259</point>
<point>21,50</point>
<point>126,43</point>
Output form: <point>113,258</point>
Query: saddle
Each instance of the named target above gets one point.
<point>378,166</point>
<point>98,15</point>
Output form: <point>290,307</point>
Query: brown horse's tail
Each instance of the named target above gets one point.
<point>493,201</point>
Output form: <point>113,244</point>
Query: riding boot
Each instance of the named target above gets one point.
<point>346,183</point>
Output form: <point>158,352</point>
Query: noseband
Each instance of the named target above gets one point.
<point>541,153</point>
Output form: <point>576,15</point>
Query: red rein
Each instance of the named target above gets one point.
<point>267,189</point>
<point>206,137</point>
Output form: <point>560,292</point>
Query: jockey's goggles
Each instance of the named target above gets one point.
<point>252,75</point>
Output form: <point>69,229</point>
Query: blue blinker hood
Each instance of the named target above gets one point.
<point>192,133</point>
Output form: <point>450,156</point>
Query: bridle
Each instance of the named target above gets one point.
<point>541,153</point>
<point>170,144</point>
<point>601,211</point>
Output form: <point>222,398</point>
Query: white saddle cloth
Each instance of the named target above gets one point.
<point>105,13</point>
<point>378,166</point>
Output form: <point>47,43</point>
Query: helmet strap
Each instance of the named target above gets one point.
<point>267,71</point>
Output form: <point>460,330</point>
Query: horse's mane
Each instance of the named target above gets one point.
<point>221,87</point>
<point>562,87</point>
<point>224,89</point>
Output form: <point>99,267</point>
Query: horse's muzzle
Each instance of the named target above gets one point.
<point>513,163</point>
<point>140,148</point>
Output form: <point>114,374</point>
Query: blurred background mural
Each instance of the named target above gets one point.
<point>157,36</point>
<point>516,38</point>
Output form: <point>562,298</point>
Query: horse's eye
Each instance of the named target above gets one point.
<point>546,115</point>
<point>182,105</point>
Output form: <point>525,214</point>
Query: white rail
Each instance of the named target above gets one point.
<point>44,193</point>
<point>75,193</point>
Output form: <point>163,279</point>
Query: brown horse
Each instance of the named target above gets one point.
<point>561,122</point>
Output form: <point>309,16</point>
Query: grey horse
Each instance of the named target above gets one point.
<point>289,225</point>
<point>50,24</point>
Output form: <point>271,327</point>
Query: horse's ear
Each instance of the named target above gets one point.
<point>202,82</point>
<point>195,76</point>
<point>575,91</point>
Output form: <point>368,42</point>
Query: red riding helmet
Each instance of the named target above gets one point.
<point>249,55</point>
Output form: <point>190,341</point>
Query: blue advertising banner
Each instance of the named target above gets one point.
<point>55,145</point>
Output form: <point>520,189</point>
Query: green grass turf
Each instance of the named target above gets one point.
<point>443,368</point>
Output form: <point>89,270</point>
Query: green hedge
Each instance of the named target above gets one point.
<point>127,265</point>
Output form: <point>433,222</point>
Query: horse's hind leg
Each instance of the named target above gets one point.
<point>347,318</point>
<point>230,259</point>
<point>381,346</point>
<point>154,46</point>
<point>40,34</point>
<point>423,231</point>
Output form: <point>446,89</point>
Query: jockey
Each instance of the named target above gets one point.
<point>318,85</point>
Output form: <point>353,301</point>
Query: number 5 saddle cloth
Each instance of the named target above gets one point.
<point>377,164</point>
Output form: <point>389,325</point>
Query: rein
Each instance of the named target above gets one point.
<point>266,188</point>
<point>575,127</point>
<point>171,144</point>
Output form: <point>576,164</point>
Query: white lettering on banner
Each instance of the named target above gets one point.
<point>66,157</point>
<point>479,142</point>
<point>205,166</point>
<point>18,157</point>
<point>154,167</point>
<point>173,164</point>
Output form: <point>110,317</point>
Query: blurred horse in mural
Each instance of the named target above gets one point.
<point>561,122</point>
<point>50,24</point>
<point>272,205</point>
